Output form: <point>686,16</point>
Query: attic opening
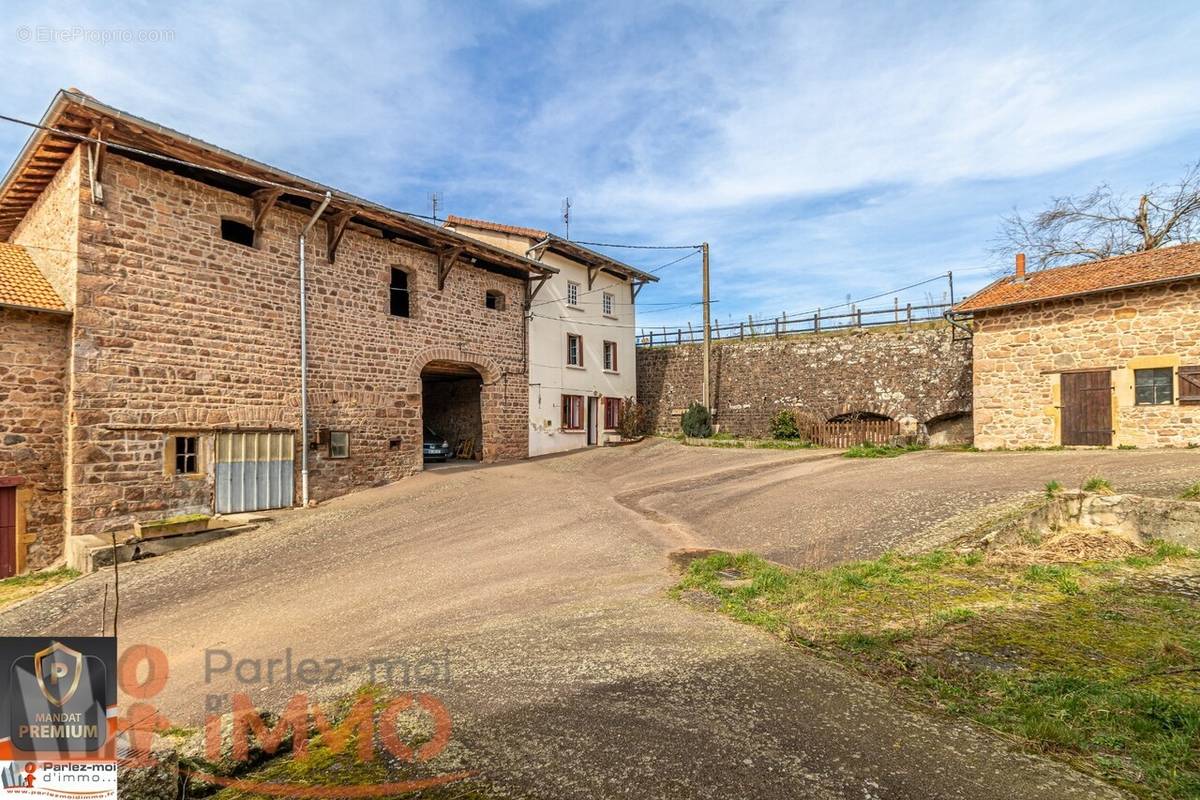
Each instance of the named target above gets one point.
<point>237,232</point>
<point>494,299</point>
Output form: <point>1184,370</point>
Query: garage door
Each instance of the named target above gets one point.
<point>254,471</point>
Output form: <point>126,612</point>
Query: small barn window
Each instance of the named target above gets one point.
<point>186,449</point>
<point>1154,387</point>
<point>494,300</point>
<point>339,444</point>
<point>237,232</point>
<point>400,300</point>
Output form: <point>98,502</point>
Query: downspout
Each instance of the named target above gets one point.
<point>304,353</point>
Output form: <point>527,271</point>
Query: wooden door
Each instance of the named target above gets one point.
<point>8,531</point>
<point>1087,408</point>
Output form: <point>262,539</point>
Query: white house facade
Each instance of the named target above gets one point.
<point>580,321</point>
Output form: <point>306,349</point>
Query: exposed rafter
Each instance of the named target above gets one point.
<point>592,273</point>
<point>264,201</point>
<point>335,228</point>
<point>97,154</point>
<point>446,257</point>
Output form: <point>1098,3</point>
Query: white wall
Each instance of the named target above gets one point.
<point>550,376</point>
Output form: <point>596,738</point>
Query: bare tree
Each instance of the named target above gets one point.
<point>1102,224</point>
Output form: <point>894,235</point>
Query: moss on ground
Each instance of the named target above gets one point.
<point>869,450</point>
<point>1093,663</point>
<point>325,765</point>
<point>23,586</point>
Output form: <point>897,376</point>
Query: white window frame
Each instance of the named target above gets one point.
<point>611,362</point>
<point>573,294</point>
<point>609,303</point>
<point>577,340</point>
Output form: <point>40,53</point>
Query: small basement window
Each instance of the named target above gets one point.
<point>494,300</point>
<point>1154,387</point>
<point>339,444</point>
<point>186,459</point>
<point>400,304</point>
<point>237,232</point>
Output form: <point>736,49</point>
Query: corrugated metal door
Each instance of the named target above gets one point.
<point>254,471</point>
<point>8,531</point>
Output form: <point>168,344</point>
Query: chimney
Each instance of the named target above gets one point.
<point>1020,278</point>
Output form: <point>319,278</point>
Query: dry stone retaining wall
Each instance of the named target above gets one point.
<point>921,375</point>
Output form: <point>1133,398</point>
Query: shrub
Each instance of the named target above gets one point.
<point>783,425</point>
<point>697,421</point>
<point>633,420</point>
<point>1098,485</point>
<point>1053,488</point>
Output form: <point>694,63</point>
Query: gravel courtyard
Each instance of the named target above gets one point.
<point>572,674</point>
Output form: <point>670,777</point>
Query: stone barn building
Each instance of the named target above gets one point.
<point>1100,354</point>
<point>150,335</point>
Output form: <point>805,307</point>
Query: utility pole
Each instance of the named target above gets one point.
<point>707,333</point>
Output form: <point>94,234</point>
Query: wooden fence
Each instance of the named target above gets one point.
<point>791,326</point>
<point>850,433</point>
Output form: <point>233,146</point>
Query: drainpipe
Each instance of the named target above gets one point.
<point>304,353</point>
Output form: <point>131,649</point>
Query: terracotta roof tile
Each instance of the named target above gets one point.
<point>22,283</point>
<point>1135,269</point>
<point>483,224</point>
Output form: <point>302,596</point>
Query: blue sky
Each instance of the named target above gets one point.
<point>823,149</point>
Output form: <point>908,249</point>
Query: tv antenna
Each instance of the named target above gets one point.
<point>566,217</point>
<point>435,202</point>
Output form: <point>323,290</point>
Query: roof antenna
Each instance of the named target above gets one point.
<point>435,202</point>
<point>566,217</point>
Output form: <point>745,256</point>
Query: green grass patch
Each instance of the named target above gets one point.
<point>22,586</point>
<point>869,450</point>
<point>1098,485</point>
<point>1053,488</point>
<point>1191,493</point>
<point>1080,661</point>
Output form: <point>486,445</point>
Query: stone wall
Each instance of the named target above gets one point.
<point>33,360</point>
<point>922,373</point>
<point>179,331</point>
<point>50,230</point>
<point>1021,353</point>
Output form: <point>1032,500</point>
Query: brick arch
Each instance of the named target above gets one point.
<point>488,369</point>
<point>863,405</point>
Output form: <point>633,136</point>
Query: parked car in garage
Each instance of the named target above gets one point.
<point>435,447</point>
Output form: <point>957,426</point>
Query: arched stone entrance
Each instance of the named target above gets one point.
<point>460,399</point>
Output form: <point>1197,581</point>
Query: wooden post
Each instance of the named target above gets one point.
<point>817,321</point>
<point>707,331</point>
<point>910,315</point>
<point>896,304</point>
<point>741,330</point>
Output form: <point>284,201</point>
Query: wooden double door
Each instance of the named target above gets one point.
<point>1087,408</point>
<point>8,531</point>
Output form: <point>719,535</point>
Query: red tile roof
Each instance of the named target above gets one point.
<point>1135,269</point>
<point>22,283</point>
<point>483,224</point>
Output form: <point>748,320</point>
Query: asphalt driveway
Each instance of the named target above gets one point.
<point>542,585</point>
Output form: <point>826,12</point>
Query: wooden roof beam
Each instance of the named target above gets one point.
<point>264,201</point>
<point>446,257</point>
<point>335,229</point>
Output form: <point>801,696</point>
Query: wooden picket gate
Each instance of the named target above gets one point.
<point>850,433</point>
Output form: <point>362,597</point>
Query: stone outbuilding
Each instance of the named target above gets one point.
<point>150,335</point>
<point>1101,354</point>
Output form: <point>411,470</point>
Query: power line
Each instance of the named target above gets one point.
<point>642,246</point>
